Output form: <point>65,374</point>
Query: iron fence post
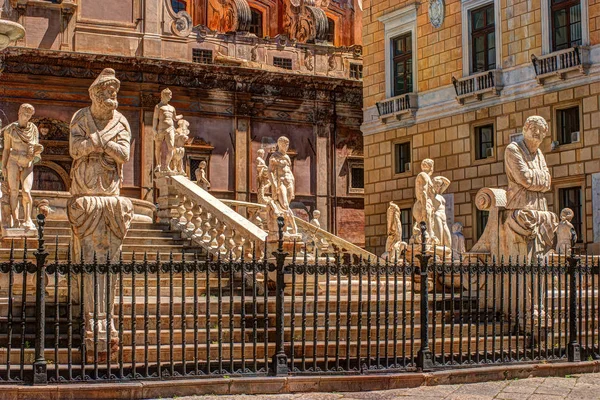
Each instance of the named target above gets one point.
<point>573,348</point>
<point>280,359</point>
<point>40,376</point>
<point>424,355</point>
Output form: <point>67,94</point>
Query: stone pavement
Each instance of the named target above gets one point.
<point>580,387</point>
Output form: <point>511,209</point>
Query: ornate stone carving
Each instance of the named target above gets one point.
<point>283,189</point>
<point>182,135</point>
<point>304,22</point>
<point>182,23</point>
<point>148,100</point>
<point>52,129</point>
<point>21,151</point>
<point>99,145</point>
<point>393,244</point>
<point>436,13</point>
<point>565,233</point>
<point>163,127</point>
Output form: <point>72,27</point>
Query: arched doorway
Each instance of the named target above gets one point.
<point>47,178</point>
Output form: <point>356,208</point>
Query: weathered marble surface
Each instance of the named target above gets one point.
<point>21,151</point>
<point>393,244</point>
<point>163,127</point>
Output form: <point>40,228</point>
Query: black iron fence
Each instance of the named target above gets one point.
<point>294,313</point>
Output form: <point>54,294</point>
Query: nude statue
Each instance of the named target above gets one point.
<point>423,209</point>
<point>282,186</point>
<point>565,233</point>
<point>182,134</point>
<point>393,244</point>
<point>201,179</point>
<point>21,151</point>
<point>99,144</point>
<point>440,224</point>
<point>529,225</point>
<point>163,127</point>
<point>458,241</point>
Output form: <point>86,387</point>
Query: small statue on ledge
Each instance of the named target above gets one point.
<point>182,134</point>
<point>163,126</point>
<point>201,179</point>
<point>565,233</point>
<point>21,151</point>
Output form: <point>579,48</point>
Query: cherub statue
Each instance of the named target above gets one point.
<point>201,179</point>
<point>182,134</point>
<point>565,233</point>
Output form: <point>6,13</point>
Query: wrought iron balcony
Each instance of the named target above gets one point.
<point>398,107</point>
<point>478,85</point>
<point>560,63</point>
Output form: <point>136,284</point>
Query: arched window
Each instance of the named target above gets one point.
<point>179,5</point>
<point>256,22</point>
<point>330,31</point>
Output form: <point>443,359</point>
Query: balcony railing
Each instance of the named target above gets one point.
<point>559,63</point>
<point>477,85</point>
<point>405,105</point>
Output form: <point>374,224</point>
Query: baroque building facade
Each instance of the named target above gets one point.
<point>242,72</point>
<point>454,81</point>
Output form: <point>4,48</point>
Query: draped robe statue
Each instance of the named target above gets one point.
<point>99,144</point>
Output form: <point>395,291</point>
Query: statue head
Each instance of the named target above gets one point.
<point>260,153</point>
<point>283,144</point>
<point>103,91</point>
<point>534,130</point>
<point>202,164</point>
<point>26,111</point>
<point>316,214</point>
<point>457,227</point>
<point>166,95</point>
<point>566,214</point>
<point>427,166</point>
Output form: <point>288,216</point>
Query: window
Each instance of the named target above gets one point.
<point>179,5</point>
<point>282,62</point>
<point>483,39</point>
<point>330,31</point>
<point>571,198</point>
<point>484,142</point>
<point>356,71</point>
<point>567,125</point>
<point>566,24</point>
<point>357,177</point>
<point>402,152</point>
<point>402,65</point>
<point>482,219</point>
<point>256,22</point>
<point>406,220</point>
<point>202,56</point>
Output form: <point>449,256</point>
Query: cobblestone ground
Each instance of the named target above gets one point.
<point>580,387</point>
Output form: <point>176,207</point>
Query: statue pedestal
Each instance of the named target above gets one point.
<point>13,233</point>
<point>167,196</point>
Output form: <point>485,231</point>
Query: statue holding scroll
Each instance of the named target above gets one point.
<point>99,144</point>
<point>21,151</point>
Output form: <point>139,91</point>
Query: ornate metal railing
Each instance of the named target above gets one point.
<point>559,63</point>
<point>478,84</point>
<point>321,315</point>
<point>405,104</point>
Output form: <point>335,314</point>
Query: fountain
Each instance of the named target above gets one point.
<point>9,32</point>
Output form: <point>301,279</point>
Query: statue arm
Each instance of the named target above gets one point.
<point>119,149</point>
<point>6,150</point>
<point>515,163</point>
<point>155,120</point>
<point>79,144</point>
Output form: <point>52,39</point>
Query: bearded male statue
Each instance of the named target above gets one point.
<point>529,225</point>
<point>99,144</point>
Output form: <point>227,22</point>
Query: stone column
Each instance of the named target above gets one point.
<point>242,162</point>
<point>323,180</point>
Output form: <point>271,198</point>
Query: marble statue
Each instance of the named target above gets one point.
<point>282,184</point>
<point>565,233</point>
<point>458,241</point>
<point>163,127</point>
<point>529,226</point>
<point>440,223</point>
<point>315,219</point>
<point>182,134</point>
<point>424,208</point>
<point>99,144</point>
<point>393,244</point>
<point>201,179</point>
<point>21,151</point>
